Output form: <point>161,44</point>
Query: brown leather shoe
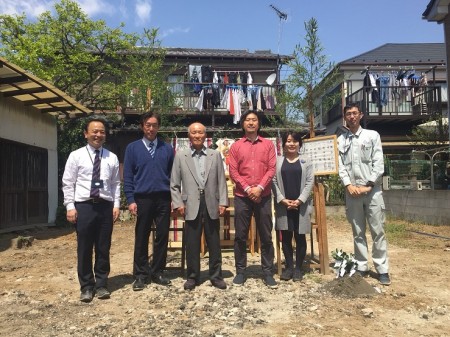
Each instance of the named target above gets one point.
<point>219,283</point>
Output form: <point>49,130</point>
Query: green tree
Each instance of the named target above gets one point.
<point>434,133</point>
<point>103,68</point>
<point>97,65</point>
<point>311,73</point>
<point>149,88</point>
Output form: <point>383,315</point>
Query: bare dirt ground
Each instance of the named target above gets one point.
<point>39,293</point>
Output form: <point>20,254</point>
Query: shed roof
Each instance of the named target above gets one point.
<point>32,91</point>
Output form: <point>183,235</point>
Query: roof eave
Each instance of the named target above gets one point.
<point>30,90</point>
<point>436,10</point>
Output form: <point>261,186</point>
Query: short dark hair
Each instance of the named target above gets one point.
<point>294,134</point>
<point>95,119</point>
<point>351,105</point>
<point>149,115</point>
<point>244,116</point>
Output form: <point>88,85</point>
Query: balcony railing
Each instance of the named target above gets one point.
<point>334,113</point>
<point>395,100</point>
<point>207,98</point>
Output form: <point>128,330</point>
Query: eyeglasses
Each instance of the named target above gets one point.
<point>149,125</point>
<point>352,113</point>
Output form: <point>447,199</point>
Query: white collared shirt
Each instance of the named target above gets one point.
<point>147,143</point>
<point>77,177</point>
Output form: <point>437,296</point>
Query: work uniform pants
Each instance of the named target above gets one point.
<point>368,209</point>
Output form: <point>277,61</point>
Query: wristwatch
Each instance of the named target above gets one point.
<point>370,184</point>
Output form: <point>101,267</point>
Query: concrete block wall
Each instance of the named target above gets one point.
<point>430,207</point>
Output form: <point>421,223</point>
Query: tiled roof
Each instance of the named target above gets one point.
<point>234,53</point>
<point>401,53</point>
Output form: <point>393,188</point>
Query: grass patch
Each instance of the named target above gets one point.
<point>397,233</point>
<point>314,277</point>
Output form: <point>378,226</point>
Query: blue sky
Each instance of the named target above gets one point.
<point>346,28</point>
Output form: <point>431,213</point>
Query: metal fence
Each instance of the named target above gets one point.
<point>418,170</point>
<point>414,171</point>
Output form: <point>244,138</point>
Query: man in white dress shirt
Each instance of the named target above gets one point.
<point>91,186</point>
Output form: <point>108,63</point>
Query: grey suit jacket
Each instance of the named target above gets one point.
<point>306,185</point>
<point>184,184</point>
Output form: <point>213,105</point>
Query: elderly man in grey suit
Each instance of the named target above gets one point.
<point>199,193</point>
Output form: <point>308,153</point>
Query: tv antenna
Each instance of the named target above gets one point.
<point>282,16</point>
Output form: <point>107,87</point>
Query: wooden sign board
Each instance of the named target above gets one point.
<point>323,153</point>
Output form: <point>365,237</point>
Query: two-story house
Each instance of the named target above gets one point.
<point>213,86</point>
<point>398,86</point>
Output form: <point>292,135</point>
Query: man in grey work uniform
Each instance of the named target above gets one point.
<point>361,167</point>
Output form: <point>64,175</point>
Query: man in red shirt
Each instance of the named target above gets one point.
<point>252,166</point>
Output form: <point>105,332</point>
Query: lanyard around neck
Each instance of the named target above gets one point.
<point>90,157</point>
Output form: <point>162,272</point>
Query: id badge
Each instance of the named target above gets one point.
<point>97,183</point>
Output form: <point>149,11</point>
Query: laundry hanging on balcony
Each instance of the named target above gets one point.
<point>195,77</point>
<point>232,100</point>
<point>209,98</point>
<point>255,98</point>
<point>395,86</point>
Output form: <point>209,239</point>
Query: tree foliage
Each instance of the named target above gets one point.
<point>103,68</point>
<point>434,133</point>
<point>97,65</point>
<point>309,68</point>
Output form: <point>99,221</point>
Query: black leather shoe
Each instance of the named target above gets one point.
<point>139,284</point>
<point>102,293</point>
<point>287,274</point>
<point>158,278</point>
<point>86,295</point>
<point>219,283</point>
<point>189,284</point>
<point>298,275</point>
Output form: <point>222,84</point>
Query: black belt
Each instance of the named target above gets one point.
<point>201,191</point>
<point>92,201</point>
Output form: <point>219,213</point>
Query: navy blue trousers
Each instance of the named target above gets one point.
<point>94,230</point>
